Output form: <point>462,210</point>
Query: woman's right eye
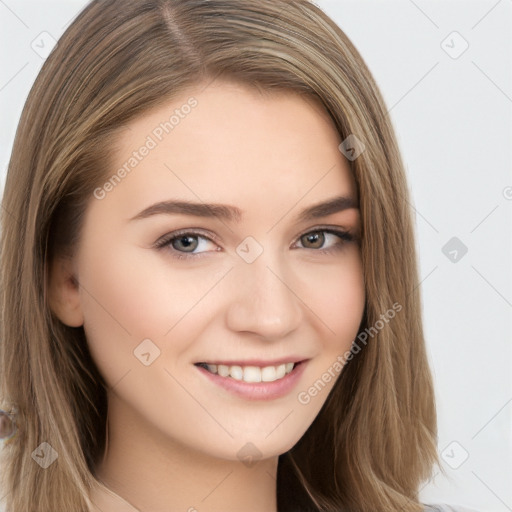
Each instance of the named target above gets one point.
<point>186,244</point>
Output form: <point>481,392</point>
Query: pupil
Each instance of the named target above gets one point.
<point>315,239</point>
<point>188,243</point>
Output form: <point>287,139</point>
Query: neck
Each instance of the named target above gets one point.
<point>152,473</point>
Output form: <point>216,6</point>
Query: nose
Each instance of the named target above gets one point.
<point>263,301</point>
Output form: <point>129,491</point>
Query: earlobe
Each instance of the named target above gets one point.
<point>64,293</point>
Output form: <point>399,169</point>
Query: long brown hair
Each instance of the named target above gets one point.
<point>374,441</point>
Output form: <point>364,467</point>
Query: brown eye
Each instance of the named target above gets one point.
<point>325,240</point>
<point>313,240</point>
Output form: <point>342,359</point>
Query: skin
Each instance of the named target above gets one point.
<point>173,436</point>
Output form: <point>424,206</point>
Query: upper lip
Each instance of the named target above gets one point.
<point>254,362</point>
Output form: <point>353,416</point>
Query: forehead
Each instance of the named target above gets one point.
<point>230,143</point>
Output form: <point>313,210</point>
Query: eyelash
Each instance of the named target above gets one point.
<point>165,241</point>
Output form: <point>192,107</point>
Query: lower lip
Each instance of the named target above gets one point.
<point>258,390</point>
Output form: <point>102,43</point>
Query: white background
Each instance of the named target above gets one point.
<point>453,121</point>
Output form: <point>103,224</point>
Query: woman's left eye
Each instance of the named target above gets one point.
<point>188,244</point>
<point>321,238</point>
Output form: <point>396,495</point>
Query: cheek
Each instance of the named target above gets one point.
<point>129,295</point>
<point>336,294</point>
<point>139,290</point>
<point>338,302</point>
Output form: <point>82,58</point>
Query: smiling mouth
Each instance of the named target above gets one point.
<point>250,373</point>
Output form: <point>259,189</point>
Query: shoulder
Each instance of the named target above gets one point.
<point>446,508</point>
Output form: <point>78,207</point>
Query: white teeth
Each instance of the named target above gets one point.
<point>222,370</point>
<point>252,373</point>
<point>280,371</point>
<point>268,374</point>
<point>236,372</point>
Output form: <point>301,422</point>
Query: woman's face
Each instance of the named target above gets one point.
<point>262,278</point>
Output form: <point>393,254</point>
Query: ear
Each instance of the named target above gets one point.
<point>64,292</point>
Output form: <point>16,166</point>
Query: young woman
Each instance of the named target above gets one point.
<point>209,285</point>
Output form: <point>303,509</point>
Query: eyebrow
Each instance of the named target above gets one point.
<point>233,214</point>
